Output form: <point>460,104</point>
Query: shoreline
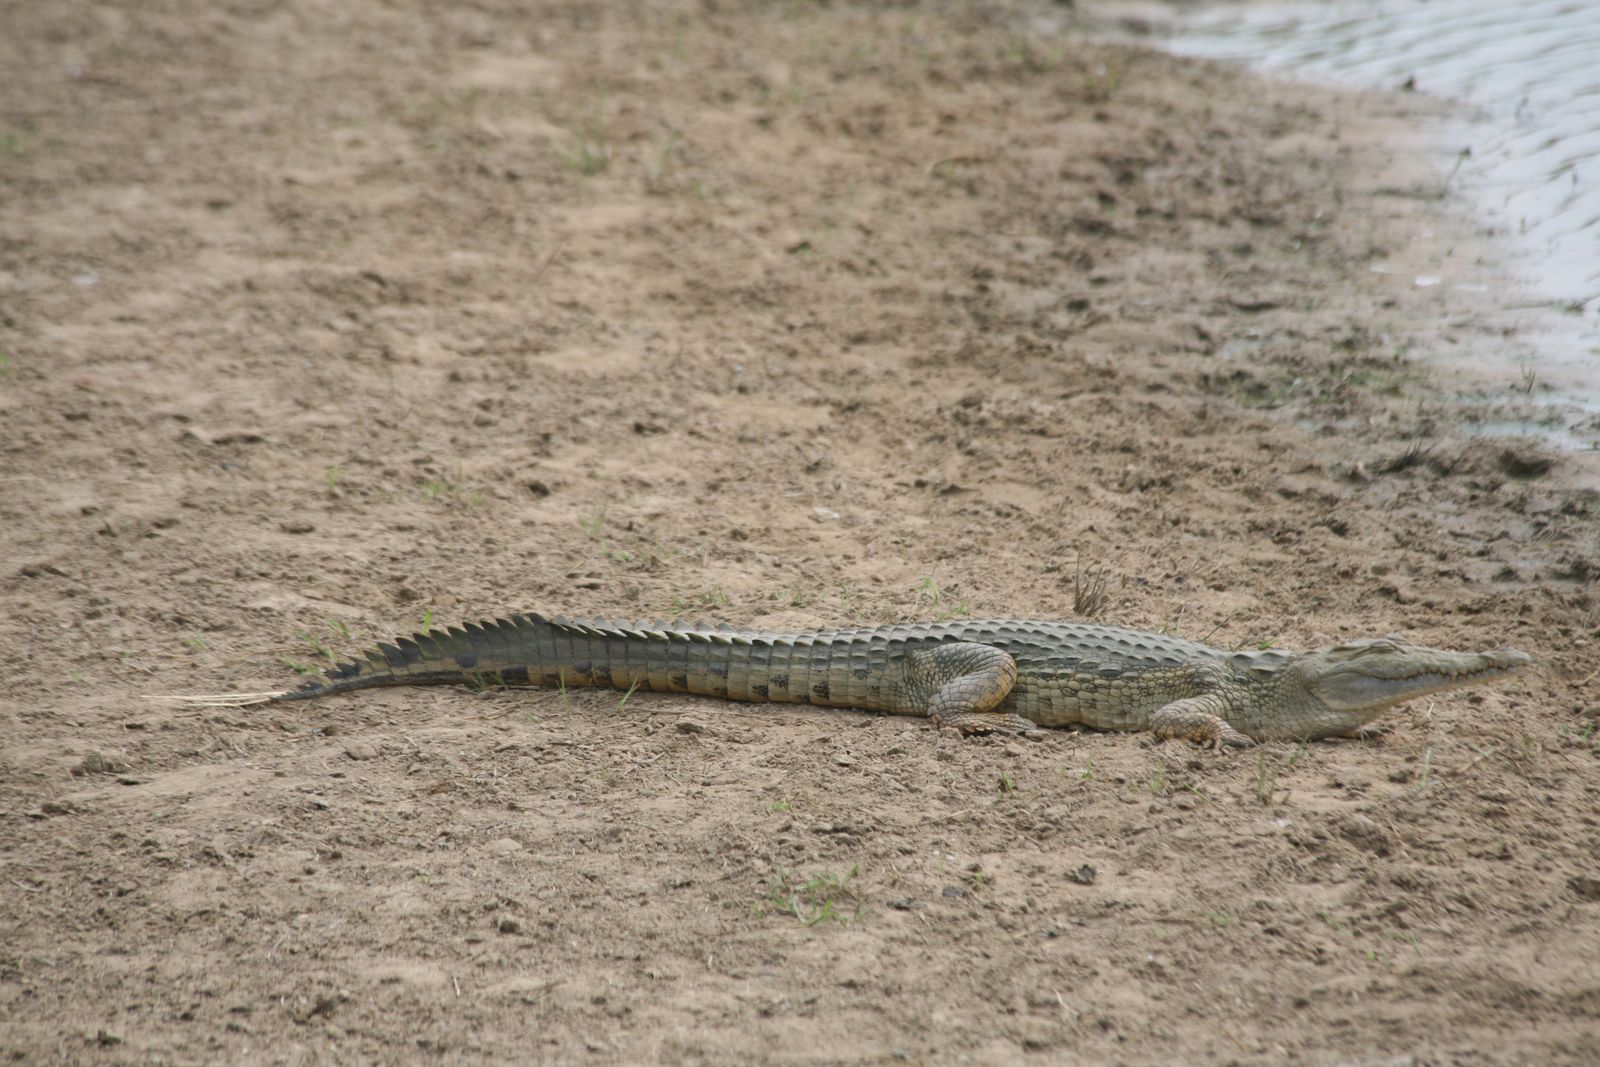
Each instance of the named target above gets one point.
<point>1518,328</point>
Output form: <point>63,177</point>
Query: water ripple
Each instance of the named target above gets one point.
<point>1531,69</point>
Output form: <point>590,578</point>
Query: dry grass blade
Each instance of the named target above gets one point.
<point>1089,596</point>
<point>217,700</point>
<point>1411,457</point>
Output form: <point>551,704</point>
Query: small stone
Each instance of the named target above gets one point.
<point>1525,463</point>
<point>1083,875</point>
<point>844,760</point>
<point>1364,833</point>
<point>100,763</point>
<point>954,891</point>
<point>508,926</point>
<point>1586,887</point>
<point>505,846</point>
<point>296,527</point>
<point>690,726</point>
<point>361,750</point>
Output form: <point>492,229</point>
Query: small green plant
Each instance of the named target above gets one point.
<point>591,154</point>
<point>800,597</point>
<point>330,477</point>
<point>196,642</point>
<point>664,161</point>
<point>978,877</point>
<point>928,595</point>
<point>298,667</point>
<point>1266,781</point>
<point>427,623</point>
<point>955,174</point>
<point>593,523</point>
<point>1007,785</point>
<point>780,806</point>
<point>482,680</point>
<point>847,600</point>
<point>1158,783</point>
<point>317,645</point>
<point>5,364</point>
<point>1088,769</point>
<point>446,489</point>
<point>708,598</point>
<point>1023,53</point>
<point>1104,79</point>
<point>825,897</point>
<point>624,701</point>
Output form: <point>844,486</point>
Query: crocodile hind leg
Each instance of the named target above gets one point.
<point>1196,719</point>
<point>963,683</point>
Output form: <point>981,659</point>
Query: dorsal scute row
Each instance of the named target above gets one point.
<point>1092,644</point>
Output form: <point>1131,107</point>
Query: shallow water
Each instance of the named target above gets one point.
<point>1530,73</point>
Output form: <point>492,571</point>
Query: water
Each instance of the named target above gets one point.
<point>1529,73</point>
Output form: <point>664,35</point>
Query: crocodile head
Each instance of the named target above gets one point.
<point>1365,677</point>
<point>1338,690</point>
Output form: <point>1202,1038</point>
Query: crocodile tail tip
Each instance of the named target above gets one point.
<point>305,692</point>
<point>219,700</point>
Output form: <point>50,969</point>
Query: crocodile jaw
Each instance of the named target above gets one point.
<point>1365,677</point>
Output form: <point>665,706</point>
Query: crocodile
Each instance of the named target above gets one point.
<point>978,676</point>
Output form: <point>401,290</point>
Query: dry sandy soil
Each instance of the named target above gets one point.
<point>322,319</point>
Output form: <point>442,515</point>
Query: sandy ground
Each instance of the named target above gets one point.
<point>322,320</point>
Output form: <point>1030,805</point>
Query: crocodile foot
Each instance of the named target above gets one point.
<point>984,722</point>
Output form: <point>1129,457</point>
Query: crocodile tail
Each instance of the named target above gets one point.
<point>492,652</point>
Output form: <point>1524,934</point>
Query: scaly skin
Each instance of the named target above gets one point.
<point>974,676</point>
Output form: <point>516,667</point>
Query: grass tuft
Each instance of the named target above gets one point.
<point>825,897</point>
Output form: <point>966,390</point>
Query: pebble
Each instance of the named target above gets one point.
<point>100,763</point>
<point>1586,887</point>
<point>361,750</point>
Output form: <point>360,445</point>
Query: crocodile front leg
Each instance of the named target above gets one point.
<point>1196,719</point>
<point>961,684</point>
